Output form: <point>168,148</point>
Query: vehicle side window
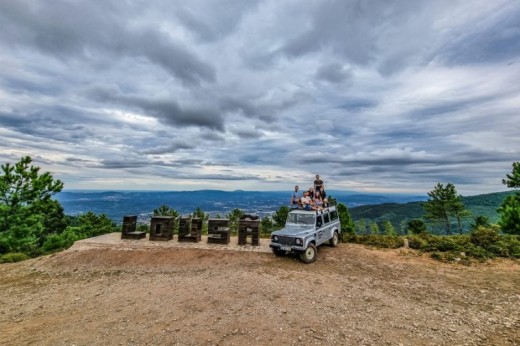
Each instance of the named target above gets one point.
<point>326,218</point>
<point>334,215</point>
<point>319,222</point>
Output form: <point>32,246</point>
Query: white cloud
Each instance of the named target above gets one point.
<point>194,94</point>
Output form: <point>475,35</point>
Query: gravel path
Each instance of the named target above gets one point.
<point>107,291</point>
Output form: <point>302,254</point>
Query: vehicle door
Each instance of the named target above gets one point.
<point>321,237</point>
<point>327,226</point>
<point>334,220</point>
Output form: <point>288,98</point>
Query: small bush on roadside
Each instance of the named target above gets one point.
<point>444,243</point>
<point>348,237</point>
<point>13,257</point>
<point>484,242</point>
<point>478,253</point>
<point>416,242</point>
<point>437,256</point>
<point>507,246</point>
<point>485,237</point>
<point>60,241</point>
<point>382,241</point>
<point>416,226</point>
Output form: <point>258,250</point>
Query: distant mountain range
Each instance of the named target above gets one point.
<point>116,204</point>
<point>396,208</point>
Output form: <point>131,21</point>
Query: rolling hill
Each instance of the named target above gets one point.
<point>400,213</point>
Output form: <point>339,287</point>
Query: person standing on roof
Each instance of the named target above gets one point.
<point>318,184</point>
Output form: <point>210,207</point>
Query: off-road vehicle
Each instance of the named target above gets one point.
<point>305,230</point>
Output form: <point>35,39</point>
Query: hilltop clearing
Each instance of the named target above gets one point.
<point>118,292</point>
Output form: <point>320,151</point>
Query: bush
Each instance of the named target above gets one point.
<point>509,212</point>
<point>485,237</point>
<point>13,257</point>
<point>416,242</point>
<point>481,244</point>
<point>347,237</point>
<point>60,241</point>
<point>507,246</point>
<point>437,256</point>
<point>416,226</point>
<point>478,252</point>
<point>444,243</point>
<point>382,241</point>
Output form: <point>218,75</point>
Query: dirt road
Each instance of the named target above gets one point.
<point>114,292</point>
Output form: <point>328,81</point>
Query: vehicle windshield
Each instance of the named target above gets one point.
<point>300,219</point>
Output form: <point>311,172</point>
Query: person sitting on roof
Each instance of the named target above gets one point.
<point>295,198</point>
<point>306,201</point>
<point>323,195</point>
<point>318,201</point>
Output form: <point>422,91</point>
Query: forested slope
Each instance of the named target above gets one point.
<point>399,213</point>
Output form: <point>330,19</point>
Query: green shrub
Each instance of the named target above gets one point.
<point>478,252</point>
<point>349,237</point>
<point>60,241</point>
<point>484,237</point>
<point>437,256</point>
<point>509,212</point>
<point>416,226</point>
<point>143,227</point>
<point>507,246</point>
<point>382,241</point>
<point>13,257</point>
<point>416,242</point>
<point>444,243</point>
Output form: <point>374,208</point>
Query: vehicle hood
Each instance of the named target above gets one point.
<point>293,231</point>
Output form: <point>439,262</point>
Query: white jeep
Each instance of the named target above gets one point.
<point>305,230</point>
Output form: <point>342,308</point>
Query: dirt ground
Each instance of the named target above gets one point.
<point>107,291</point>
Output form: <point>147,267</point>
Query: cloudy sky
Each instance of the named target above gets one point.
<point>372,95</point>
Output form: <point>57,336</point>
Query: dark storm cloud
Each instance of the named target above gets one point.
<point>356,105</point>
<point>495,37</point>
<point>57,123</point>
<point>124,163</point>
<point>166,110</point>
<point>333,73</point>
<point>358,38</point>
<point>173,147</point>
<point>211,21</point>
<point>84,30</point>
<point>405,159</point>
<point>223,177</point>
<point>21,85</point>
<point>248,133</point>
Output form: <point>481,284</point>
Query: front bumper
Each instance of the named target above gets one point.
<point>286,247</point>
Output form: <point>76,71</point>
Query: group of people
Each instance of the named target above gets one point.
<point>315,198</point>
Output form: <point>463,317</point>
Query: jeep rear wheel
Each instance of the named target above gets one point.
<point>334,241</point>
<point>310,254</point>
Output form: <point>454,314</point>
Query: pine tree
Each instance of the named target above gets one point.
<point>388,228</point>
<point>27,211</point>
<point>347,223</point>
<point>509,211</point>
<point>442,204</point>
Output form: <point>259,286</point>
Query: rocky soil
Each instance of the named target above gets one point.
<point>112,292</point>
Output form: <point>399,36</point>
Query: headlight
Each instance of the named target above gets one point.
<point>299,241</point>
<point>275,238</point>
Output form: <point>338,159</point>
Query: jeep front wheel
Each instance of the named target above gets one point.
<point>310,254</point>
<point>334,241</point>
